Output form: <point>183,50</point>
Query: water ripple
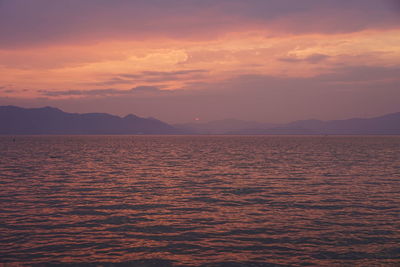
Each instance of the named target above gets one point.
<point>200,201</point>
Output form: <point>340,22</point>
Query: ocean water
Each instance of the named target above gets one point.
<point>200,200</point>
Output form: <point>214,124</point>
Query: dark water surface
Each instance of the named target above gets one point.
<point>200,200</point>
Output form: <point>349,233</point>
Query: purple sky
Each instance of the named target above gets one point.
<point>176,60</point>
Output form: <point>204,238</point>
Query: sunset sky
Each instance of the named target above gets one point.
<point>177,60</point>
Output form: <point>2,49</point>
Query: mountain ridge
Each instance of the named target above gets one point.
<point>49,120</point>
<point>381,125</point>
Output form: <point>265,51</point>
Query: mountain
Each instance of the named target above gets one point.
<point>223,126</point>
<point>48,120</point>
<point>384,125</point>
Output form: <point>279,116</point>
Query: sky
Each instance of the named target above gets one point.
<point>185,60</point>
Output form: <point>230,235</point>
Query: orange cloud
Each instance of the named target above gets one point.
<point>52,46</point>
<point>79,67</point>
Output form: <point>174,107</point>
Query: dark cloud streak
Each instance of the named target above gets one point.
<point>102,92</point>
<point>313,59</point>
<point>155,77</point>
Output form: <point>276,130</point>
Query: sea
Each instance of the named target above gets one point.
<point>200,201</point>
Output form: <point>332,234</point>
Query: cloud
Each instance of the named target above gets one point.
<point>141,89</point>
<point>164,75</point>
<point>313,59</point>
<point>90,92</point>
<point>27,23</point>
<point>364,74</point>
<point>11,90</point>
<point>101,92</point>
<point>155,77</point>
<point>115,81</point>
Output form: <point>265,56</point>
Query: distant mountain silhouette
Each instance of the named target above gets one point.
<point>222,126</point>
<point>48,120</point>
<point>384,125</point>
